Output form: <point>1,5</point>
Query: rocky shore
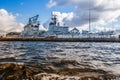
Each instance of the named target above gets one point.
<point>60,70</point>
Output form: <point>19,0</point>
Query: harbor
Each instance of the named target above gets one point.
<point>58,32</point>
<point>60,40</point>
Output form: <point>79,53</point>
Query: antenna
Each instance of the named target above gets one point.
<point>112,21</point>
<point>89,21</point>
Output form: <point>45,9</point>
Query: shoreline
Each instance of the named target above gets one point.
<point>63,39</point>
<point>11,71</point>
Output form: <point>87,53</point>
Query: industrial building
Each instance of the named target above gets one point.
<point>13,35</point>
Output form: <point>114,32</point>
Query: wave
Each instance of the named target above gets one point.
<point>59,60</point>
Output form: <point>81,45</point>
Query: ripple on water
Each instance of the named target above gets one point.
<point>94,55</point>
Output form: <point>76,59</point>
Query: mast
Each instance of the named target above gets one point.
<point>113,21</point>
<point>89,21</point>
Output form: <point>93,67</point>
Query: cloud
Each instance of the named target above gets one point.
<point>8,22</point>
<point>102,12</point>
<point>62,18</point>
<point>42,28</point>
<point>51,3</point>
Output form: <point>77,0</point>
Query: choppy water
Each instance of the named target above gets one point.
<point>104,56</point>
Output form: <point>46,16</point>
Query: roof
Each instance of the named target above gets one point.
<point>13,33</point>
<point>74,30</point>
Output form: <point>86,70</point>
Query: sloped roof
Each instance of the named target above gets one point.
<point>13,33</point>
<point>74,30</point>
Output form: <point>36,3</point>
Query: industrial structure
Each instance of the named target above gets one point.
<point>13,35</point>
<point>32,28</point>
<point>55,27</point>
<point>55,30</point>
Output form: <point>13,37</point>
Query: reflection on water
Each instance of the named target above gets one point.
<point>104,56</point>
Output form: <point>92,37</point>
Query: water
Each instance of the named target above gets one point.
<point>104,56</point>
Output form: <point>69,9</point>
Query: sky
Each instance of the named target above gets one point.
<point>104,14</point>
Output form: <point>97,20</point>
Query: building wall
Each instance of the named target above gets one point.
<point>12,36</point>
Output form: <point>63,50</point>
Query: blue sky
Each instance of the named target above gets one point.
<point>29,8</point>
<point>105,13</point>
<point>26,8</point>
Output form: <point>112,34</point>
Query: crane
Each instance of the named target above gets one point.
<point>33,20</point>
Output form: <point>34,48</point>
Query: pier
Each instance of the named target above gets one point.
<point>63,39</point>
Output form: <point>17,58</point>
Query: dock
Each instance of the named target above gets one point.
<point>63,39</point>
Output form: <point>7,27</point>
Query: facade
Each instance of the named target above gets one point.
<point>85,32</point>
<point>75,31</point>
<point>1,36</point>
<point>13,35</point>
<point>106,33</point>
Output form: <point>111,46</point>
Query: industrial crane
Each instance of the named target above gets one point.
<point>33,20</point>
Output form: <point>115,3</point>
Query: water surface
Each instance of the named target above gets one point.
<point>104,56</point>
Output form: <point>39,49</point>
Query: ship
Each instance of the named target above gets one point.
<point>55,27</point>
<point>57,30</point>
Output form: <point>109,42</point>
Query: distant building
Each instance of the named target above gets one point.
<point>75,31</point>
<point>106,33</point>
<point>85,32</point>
<point>13,35</point>
<point>1,36</point>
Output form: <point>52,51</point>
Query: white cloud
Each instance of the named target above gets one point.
<point>62,18</point>
<point>8,22</point>
<point>102,11</point>
<point>51,3</point>
<point>42,28</point>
